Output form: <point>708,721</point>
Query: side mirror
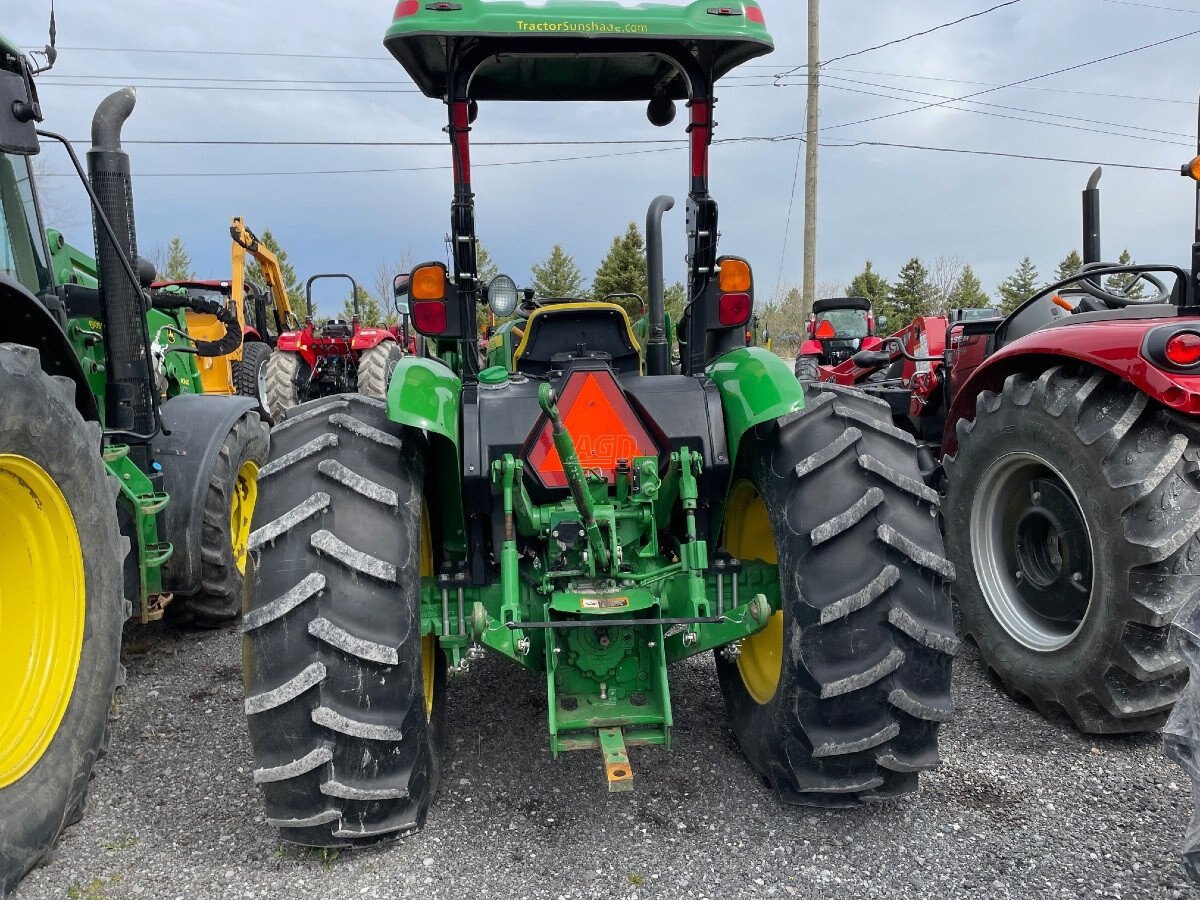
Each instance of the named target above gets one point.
<point>400,292</point>
<point>19,116</point>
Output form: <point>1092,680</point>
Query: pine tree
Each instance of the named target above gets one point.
<point>370,312</point>
<point>869,284</point>
<point>1071,264</point>
<point>1018,287</point>
<point>675,297</point>
<point>291,284</point>
<point>623,271</point>
<point>912,295</point>
<point>786,317</point>
<point>487,268</point>
<point>968,292</point>
<point>1129,285</point>
<point>557,275</point>
<point>178,266</point>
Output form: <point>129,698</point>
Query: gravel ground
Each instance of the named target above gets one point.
<point>1020,808</point>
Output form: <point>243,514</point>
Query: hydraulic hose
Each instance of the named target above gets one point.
<point>230,340</point>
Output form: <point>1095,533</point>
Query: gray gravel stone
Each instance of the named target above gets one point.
<point>1021,808</point>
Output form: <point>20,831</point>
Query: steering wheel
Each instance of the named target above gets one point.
<point>1121,300</point>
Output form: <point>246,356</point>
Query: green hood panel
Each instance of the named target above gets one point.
<point>572,50</point>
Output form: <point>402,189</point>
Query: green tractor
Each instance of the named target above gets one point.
<point>579,509</point>
<point>118,494</point>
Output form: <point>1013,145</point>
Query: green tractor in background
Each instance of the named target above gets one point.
<point>582,511</point>
<point>120,490</point>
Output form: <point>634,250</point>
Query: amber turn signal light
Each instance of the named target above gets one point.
<point>735,276</point>
<point>428,283</point>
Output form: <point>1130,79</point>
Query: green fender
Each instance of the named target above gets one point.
<point>427,395</point>
<point>756,386</point>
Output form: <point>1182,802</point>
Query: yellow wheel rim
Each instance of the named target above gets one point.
<point>429,642</point>
<point>748,536</point>
<point>241,511</point>
<point>42,608</point>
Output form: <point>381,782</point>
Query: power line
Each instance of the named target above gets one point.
<point>1027,156</point>
<point>182,52</point>
<point>787,225</point>
<point>997,115</point>
<point>1042,88</point>
<point>1154,6</point>
<point>764,81</point>
<point>221,87</point>
<point>1072,68</point>
<point>909,37</point>
<point>783,138</point>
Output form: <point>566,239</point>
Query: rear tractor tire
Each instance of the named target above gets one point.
<point>840,698</point>
<point>61,608</point>
<point>375,368</point>
<point>1073,508</point>
<point>285,370</point>
<point>250,376</point>
<point>224,538</point>
<point>808,369</point>
<point>1181,734</point>
<point>344,696</point>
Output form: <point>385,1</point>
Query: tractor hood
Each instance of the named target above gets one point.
<point>556,50</point>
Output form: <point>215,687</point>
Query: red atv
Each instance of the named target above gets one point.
<point>332,357</point>
<point>839,328</point>
<point>1066,441</point>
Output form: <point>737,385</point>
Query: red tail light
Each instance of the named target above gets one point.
<point>406,8</point>
<point>755,14</point>
<point>825,330</point>
<point>734,309</point>
<point>601,421</point>
<point>429,317</point>
<point>1183,349</point>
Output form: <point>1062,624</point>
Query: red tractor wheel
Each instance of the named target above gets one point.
<point>1072,512</point>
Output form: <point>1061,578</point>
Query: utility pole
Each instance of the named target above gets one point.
<point>810,155</point>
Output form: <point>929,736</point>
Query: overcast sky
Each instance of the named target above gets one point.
<point>885,204</point>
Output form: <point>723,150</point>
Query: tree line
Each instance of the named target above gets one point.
<point>919,289</point>
<point>621,272</point>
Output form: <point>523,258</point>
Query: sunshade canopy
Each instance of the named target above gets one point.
<point>573,50</point>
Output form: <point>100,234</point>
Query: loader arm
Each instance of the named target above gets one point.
<point>245,241</point>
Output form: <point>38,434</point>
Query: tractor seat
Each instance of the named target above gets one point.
<point>557,334</point>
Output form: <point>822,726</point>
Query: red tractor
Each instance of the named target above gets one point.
<point>332,357</point>
<point>839,328</point>
<point>1065,437</point>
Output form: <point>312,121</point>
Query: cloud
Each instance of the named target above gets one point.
<point>881,203</point>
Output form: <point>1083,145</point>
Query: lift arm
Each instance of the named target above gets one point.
<point>245,241</point>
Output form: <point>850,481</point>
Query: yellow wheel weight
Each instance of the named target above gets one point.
<point>241,511</point>
<point>42,610</point>
<point>748,535</point>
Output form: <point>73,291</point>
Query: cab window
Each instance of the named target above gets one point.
<point>22,248</point>
<point>848,323</point>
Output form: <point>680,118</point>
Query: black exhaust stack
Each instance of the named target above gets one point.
<point>130,400</point>
<point>1091,218</point>
<point>658,346</point>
